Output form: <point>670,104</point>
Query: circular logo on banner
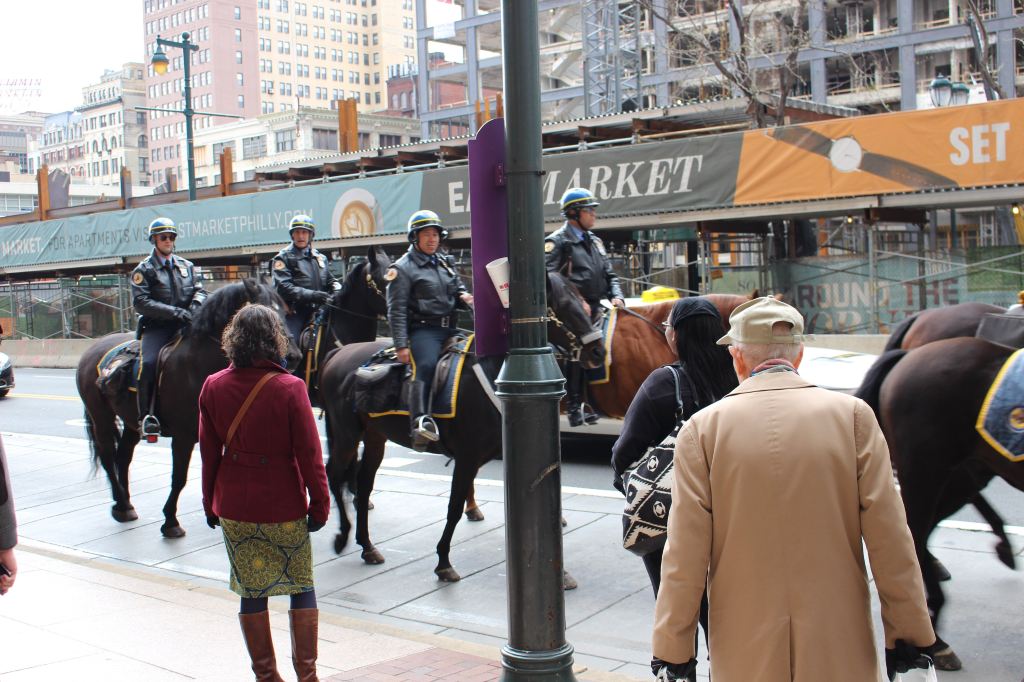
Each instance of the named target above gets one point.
<point>356,214</point>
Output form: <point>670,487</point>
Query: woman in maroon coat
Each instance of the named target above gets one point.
<point>259,462</point>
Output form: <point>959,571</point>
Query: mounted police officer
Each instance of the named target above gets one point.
<point>423,294</point>
<point>301,276</point>
<point>580,255</point>
<point>166,292</point>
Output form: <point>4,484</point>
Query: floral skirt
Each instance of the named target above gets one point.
<point>268,559</point>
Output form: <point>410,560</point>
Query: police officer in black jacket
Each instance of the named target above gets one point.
<point>166,292</point>
<point>301,276</point>
<point>424,292</point>
<point>580,255</point>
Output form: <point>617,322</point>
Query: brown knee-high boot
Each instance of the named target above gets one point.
<point>256,630</point>
<point>304,624</point>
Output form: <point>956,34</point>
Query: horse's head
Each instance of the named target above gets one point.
<point>377,264</point>
<point>222,304</point>
<point>569,322</point>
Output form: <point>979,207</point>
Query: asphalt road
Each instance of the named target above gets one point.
<point>45,402</point>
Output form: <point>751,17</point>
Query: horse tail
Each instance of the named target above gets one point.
<point>90,432</point>
<point>899,332</point>
<point>872,384</point>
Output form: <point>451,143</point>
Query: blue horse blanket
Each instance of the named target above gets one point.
<point>1001,419</point>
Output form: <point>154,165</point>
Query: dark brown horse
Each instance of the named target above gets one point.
<point>195,357</point>
<point>350,316</point>
<point>639,347</point>
<point>927,401</point>
<point>471,438</point>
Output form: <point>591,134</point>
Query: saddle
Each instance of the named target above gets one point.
<point>1004,330</point>
<point>118,370</point>
<point>378,383</point>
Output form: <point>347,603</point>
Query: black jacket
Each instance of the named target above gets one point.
<point>157,292</point>
<point>298,275</point>
<point>585,264</point>
<point>651,416</point>
<point>421,288</point>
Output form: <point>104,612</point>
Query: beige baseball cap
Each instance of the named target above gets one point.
<point>752,323</point>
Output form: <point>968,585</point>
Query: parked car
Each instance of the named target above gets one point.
<point>6,375</point>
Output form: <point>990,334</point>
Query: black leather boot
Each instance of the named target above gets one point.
<point>578,412</point>
<point>149,425</point>
<point>422,427</point>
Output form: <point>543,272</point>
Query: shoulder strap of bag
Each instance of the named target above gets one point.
<point>245,406</point>
<point>679,391</point>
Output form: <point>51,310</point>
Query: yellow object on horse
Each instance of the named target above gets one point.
<point>659,293</point>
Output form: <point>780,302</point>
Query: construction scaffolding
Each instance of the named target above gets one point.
<point>612,61</point>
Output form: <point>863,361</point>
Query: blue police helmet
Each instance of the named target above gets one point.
<point>162,226</point>
<point>302,222</point>
<point>424,218</point>
<point>576,198</point>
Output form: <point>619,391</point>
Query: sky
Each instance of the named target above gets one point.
<point>66,43</point>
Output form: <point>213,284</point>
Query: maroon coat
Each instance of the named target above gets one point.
<point>275,456</point>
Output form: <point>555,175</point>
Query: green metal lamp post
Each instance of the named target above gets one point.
<point>530,384</point>
<point>160,63</point>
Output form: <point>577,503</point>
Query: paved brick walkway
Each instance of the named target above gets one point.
<point>427,666</point>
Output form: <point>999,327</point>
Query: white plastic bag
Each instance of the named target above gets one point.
<point>918,675</point>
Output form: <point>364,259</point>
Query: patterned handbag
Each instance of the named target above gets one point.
<point>649,490</point>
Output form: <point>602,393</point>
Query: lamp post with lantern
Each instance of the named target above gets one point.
<point>160,65</point>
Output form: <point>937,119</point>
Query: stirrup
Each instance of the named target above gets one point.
<point>150,428</point>
<point>426,428</point>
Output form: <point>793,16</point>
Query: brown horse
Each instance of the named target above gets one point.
<point>928,401</point>
<point>639,347</point>
<point>111,424</point>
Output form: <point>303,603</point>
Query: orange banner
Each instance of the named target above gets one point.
<point>964,146</point>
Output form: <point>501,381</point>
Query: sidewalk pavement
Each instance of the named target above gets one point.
<point>72,616</point>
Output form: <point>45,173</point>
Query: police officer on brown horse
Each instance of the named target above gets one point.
<point>301,276</point>
<point>580,255</point>
<point>423,294</point>
<point>167,291</point>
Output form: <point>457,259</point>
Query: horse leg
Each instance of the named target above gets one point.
<point>920,503</point>
<point>339,466</point>
<point>462,481</point>
<point>181,455</point>
<point>373,455</point>
<point>473,512</point>
<point>106,443</point>
<point>1004,550</point>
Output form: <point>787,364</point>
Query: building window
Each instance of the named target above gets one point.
<point>241,101</point>
<point>239,79</point>
<point>284,140</point>
<point>325,139</point>
<point>238,35</point>
<point>219,148</point>
<point>254,147</point>
<point>390,140</point>
<point>238,14</point>
<point>238,56</point>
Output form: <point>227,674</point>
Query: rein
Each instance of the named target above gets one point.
<point>655,327</point>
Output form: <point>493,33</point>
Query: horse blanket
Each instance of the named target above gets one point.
<point>115,372</point>
<point>1001,419</point>
<point>445,390</point>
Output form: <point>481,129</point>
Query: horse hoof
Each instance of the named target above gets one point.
<point>941,572</point>
<point>447,575</point>
<point>340,542</point>
<point>1005,554</point>
<point>175,531</point>
<point>124,515</point>
<point>568,582</point>
<point>474,514</point>
<point>564,522</point>
<point>946,659</point>
<point>372,556</point>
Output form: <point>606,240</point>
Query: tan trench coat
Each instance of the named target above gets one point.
<point>775,485</point>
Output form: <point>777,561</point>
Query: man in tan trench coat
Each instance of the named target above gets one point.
<point>775,486</point>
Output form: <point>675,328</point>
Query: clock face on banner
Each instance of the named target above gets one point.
<point>356,214</point>
<point>846,154</point>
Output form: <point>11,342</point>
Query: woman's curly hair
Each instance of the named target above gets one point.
<point>254,333</point>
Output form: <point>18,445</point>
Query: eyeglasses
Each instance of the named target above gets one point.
<point>588,209</point>
<point>666,325</point>
<point>166,237</point>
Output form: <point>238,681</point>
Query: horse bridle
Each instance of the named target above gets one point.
<point>576,343</point>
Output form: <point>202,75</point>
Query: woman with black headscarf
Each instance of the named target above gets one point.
<point>705,374</point>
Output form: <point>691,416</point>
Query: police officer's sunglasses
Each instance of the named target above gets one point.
<point>162,237</point>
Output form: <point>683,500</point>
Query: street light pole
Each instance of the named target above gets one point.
<point>159,62</point>
<point>530,384</point>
